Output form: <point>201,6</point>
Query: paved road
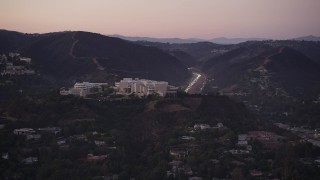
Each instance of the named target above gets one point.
<point>197,82</point>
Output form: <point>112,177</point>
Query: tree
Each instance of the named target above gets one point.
<point>237,174</point>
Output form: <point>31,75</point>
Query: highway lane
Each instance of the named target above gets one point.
<point>197,82</point>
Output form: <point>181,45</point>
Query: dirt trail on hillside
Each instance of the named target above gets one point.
<point>75,41</point>
<point>94,59</point>
<point>267,59</point>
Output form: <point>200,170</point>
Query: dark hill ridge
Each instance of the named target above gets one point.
<point>308,48</point>
<point>294,70</point>
<point>229,67</point>
<point>119,56</point>
<point>69,56</point>
<point>10,40</point>
<point>308,38</point>
<point>287,68</point>
<point>203,51</point>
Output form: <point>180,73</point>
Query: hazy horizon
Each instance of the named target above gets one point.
<point>204,19</point>
<point>154,37</point>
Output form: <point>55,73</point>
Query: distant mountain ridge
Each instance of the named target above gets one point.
<point>161,40</point>
<point>308,38</point>
<point>219,40</point>
<point>224,40</point>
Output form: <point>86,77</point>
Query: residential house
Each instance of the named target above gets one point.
<point>188,138</point>
<point>179,153</point>
<point>24,131</point>
<point>13,54</point>
<point>25,59</point>
<point>91,157</point>
<point>35,137</point>
<point>238,151</point>
<point>30,160</point>
<point>78,137</point>
<point>5,156</point>
<point>99,143</point>
<point>255,173</point>
<point>53,130</point>
<point>61,142</point>
<point>195,178</point>
<point>201,126</point>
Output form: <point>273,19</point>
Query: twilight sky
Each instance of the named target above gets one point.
<point>277,19</point>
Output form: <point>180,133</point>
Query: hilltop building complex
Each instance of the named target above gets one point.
<point>127,86</point>
<point>145,87</point>
<point>83,89</point>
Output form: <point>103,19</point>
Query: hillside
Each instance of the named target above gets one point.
<point>295,71</point>
<point>308,48</point>
<point>10,40</point>
<point>144,139</point>
<point>227,68</point>
<point>69,56</point>
<point>280,67</point>
<point>135,135</point>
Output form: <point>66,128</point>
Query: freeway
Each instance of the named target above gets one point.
<point>197,82</point>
